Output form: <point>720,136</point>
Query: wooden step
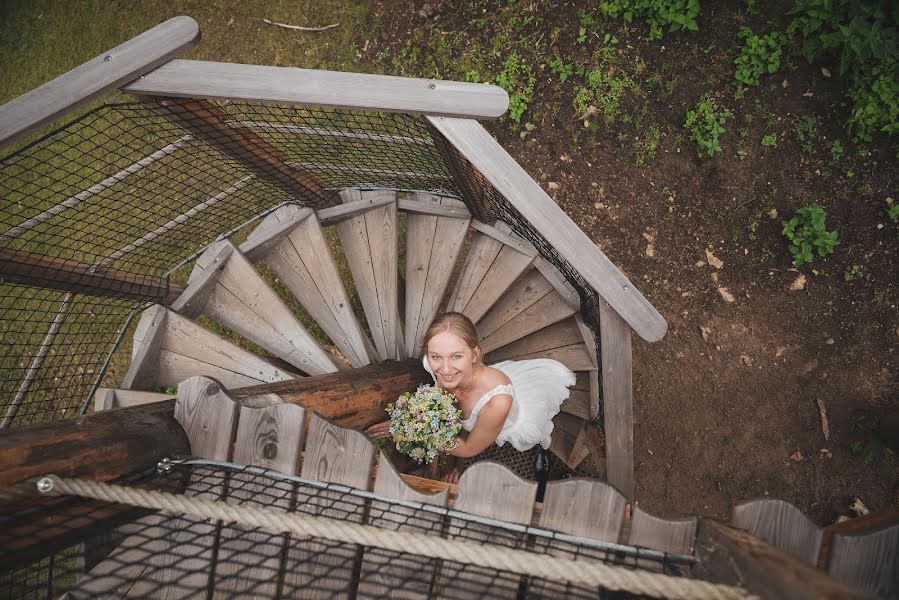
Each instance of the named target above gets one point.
<point>291,242</point>
<point>583,399</point>
<point>531,304</point>
<point>494,261</point>
<point>369,241</point>
<point>569,342</point>
<point>780,524</point>
<point>107,398</point>
<point>433,244</point>
<point>225,287</point>
<point>169,348</point>
<point>569,439</point>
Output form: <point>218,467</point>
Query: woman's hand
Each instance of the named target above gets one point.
<point>451,477</point>
<point>379,430</point>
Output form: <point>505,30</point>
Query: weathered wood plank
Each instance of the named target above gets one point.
<point>340,212</point>
<point>481,254</point>
<point>459,211</point>
<point>780,524</point>
<point>68,275</point>
<point>734,557</point>
<point>228,81</point>
<point>675,536</point>
<point>569,440</point>
<point>389,573</point>
<point>248,562</point>
<point>560,341</point>
<point>432,247</point>
<point>202,282</point>
<point>870,522</point>
<point>584,507</point>
<point>618,399</point>
<point>149,334</point>
<point>208,416</point>
<point>336,455</point>
<point>301,259</point>
<point>868,562</point>
<point>371,252</point>
<point>108,398</point>
<point>126,62</point>
<point>244,303</point>
<point>517,187</point>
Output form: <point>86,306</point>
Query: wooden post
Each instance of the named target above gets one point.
<point>618,400</point>
<point>732,556</point>
<point>209,123</point>
<point>60,274</point>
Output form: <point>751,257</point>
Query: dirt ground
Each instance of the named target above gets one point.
<point>728,404</point>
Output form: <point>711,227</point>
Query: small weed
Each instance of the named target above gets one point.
<point>867,451</point>
<point>561,68</point>
<point>705,123</point>
<point>806,233</point>
<point>758,56</point>
<point>605,88</point>
<point>586,22</point>
<point>526,130</point>
<point>676,14</point>
<point>836,150</point>
<point>648,146</point>
<point>472,77</point>
<point>742,154</point>
<point>806,130</point>
<point>892,210</point>
<point>852,273</point>
<point>880,296</point>
<point>769,140</point>
<point>164,390</point>
<point>518,80</point>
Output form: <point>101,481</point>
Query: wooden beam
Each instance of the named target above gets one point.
<point>617,398</point>
<point>61,274</point>
<point>860,525</point>
<point>289,85</point>
<point>101,446</point>
<point>516,186</point>
<point>139,55</point>
<point>732,556</point>
<point>209,122</point>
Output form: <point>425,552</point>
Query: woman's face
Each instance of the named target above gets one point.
<point>451,359</point>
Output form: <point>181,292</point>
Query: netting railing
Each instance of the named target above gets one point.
<point>96,217</point>
<point>189,556</point>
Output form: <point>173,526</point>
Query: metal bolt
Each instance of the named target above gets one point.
<point>107,58</point>
<point>164,466</point>
<point>432,86</point>
<point>44,485</point>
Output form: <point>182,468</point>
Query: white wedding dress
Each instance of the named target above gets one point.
<point>538,388</point>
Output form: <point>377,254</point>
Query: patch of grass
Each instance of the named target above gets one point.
<point>892,210</point>
<point>705,124</point>
<point>769,140</point>
<point>806,131</point>
<point>852,273</point>
<point>675,14</point>
<point>517,78</point>
<point>648,146</point>
<point>558,67</point>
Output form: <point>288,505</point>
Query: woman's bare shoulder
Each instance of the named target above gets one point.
<point>494,377</point>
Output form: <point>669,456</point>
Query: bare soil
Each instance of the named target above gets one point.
<point>727,404</point>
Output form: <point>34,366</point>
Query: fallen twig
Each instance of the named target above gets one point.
<point>824,427</point>
<point>299,28</point>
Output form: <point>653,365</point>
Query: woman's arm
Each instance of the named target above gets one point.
<point>486,428</point>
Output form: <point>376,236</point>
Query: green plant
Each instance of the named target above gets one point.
<point>758,56</point>
<point>862,35</point>
<point>527,130</point>
<point>867,451</point>
<point>560,68</point>
<point>472,77</point>
<point>648,146</point>
<point>852,273</point>
<point>806,130</point>
<point>705,123</point>
<point>892,210</point>
<point>676,14</point>
<point>836,150</point>
<point>586,22</point>
<point>518,80</point>
<point>769,140</point>
<point>807,233</point>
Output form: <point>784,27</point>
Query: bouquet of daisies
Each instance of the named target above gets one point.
<point>424,423</point>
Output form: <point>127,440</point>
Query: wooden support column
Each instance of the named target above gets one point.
<point>68,275</point>
<point>618,398</point>
<point>732,556</point>
<point>209,123</point>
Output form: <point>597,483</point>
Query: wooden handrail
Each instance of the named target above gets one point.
<point>511,180</point>
<point>289,85</point>
<point>61,274</point>
<point>139,55</point>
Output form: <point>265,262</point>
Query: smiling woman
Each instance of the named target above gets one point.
<point>511,401</point>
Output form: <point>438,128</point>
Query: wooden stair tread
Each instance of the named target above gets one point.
<point>433,244</point>
<point>490,267</point>
<point>780,524</point>
<point>244,303</point>
<point>299,255</point>
<point>569,439</point>
<point>867,561</point>
<point>562,341</point>
<point>169,348</point>
<point>369,243</point>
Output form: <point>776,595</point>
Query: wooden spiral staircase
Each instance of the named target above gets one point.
<point>522,306</point>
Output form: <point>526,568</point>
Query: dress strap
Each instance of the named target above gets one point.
<point>503,388</point>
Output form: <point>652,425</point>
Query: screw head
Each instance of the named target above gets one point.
<point>44,485</point>
<point>432,86</point>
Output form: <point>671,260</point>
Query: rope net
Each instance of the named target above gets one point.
<point>118,203</point>
<point>104,547</point>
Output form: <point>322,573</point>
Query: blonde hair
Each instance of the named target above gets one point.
<point>455,323</point>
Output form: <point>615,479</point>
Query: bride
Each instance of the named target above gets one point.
<point>511,401</point>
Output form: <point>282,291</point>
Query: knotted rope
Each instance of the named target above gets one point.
<point>580,572</point>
